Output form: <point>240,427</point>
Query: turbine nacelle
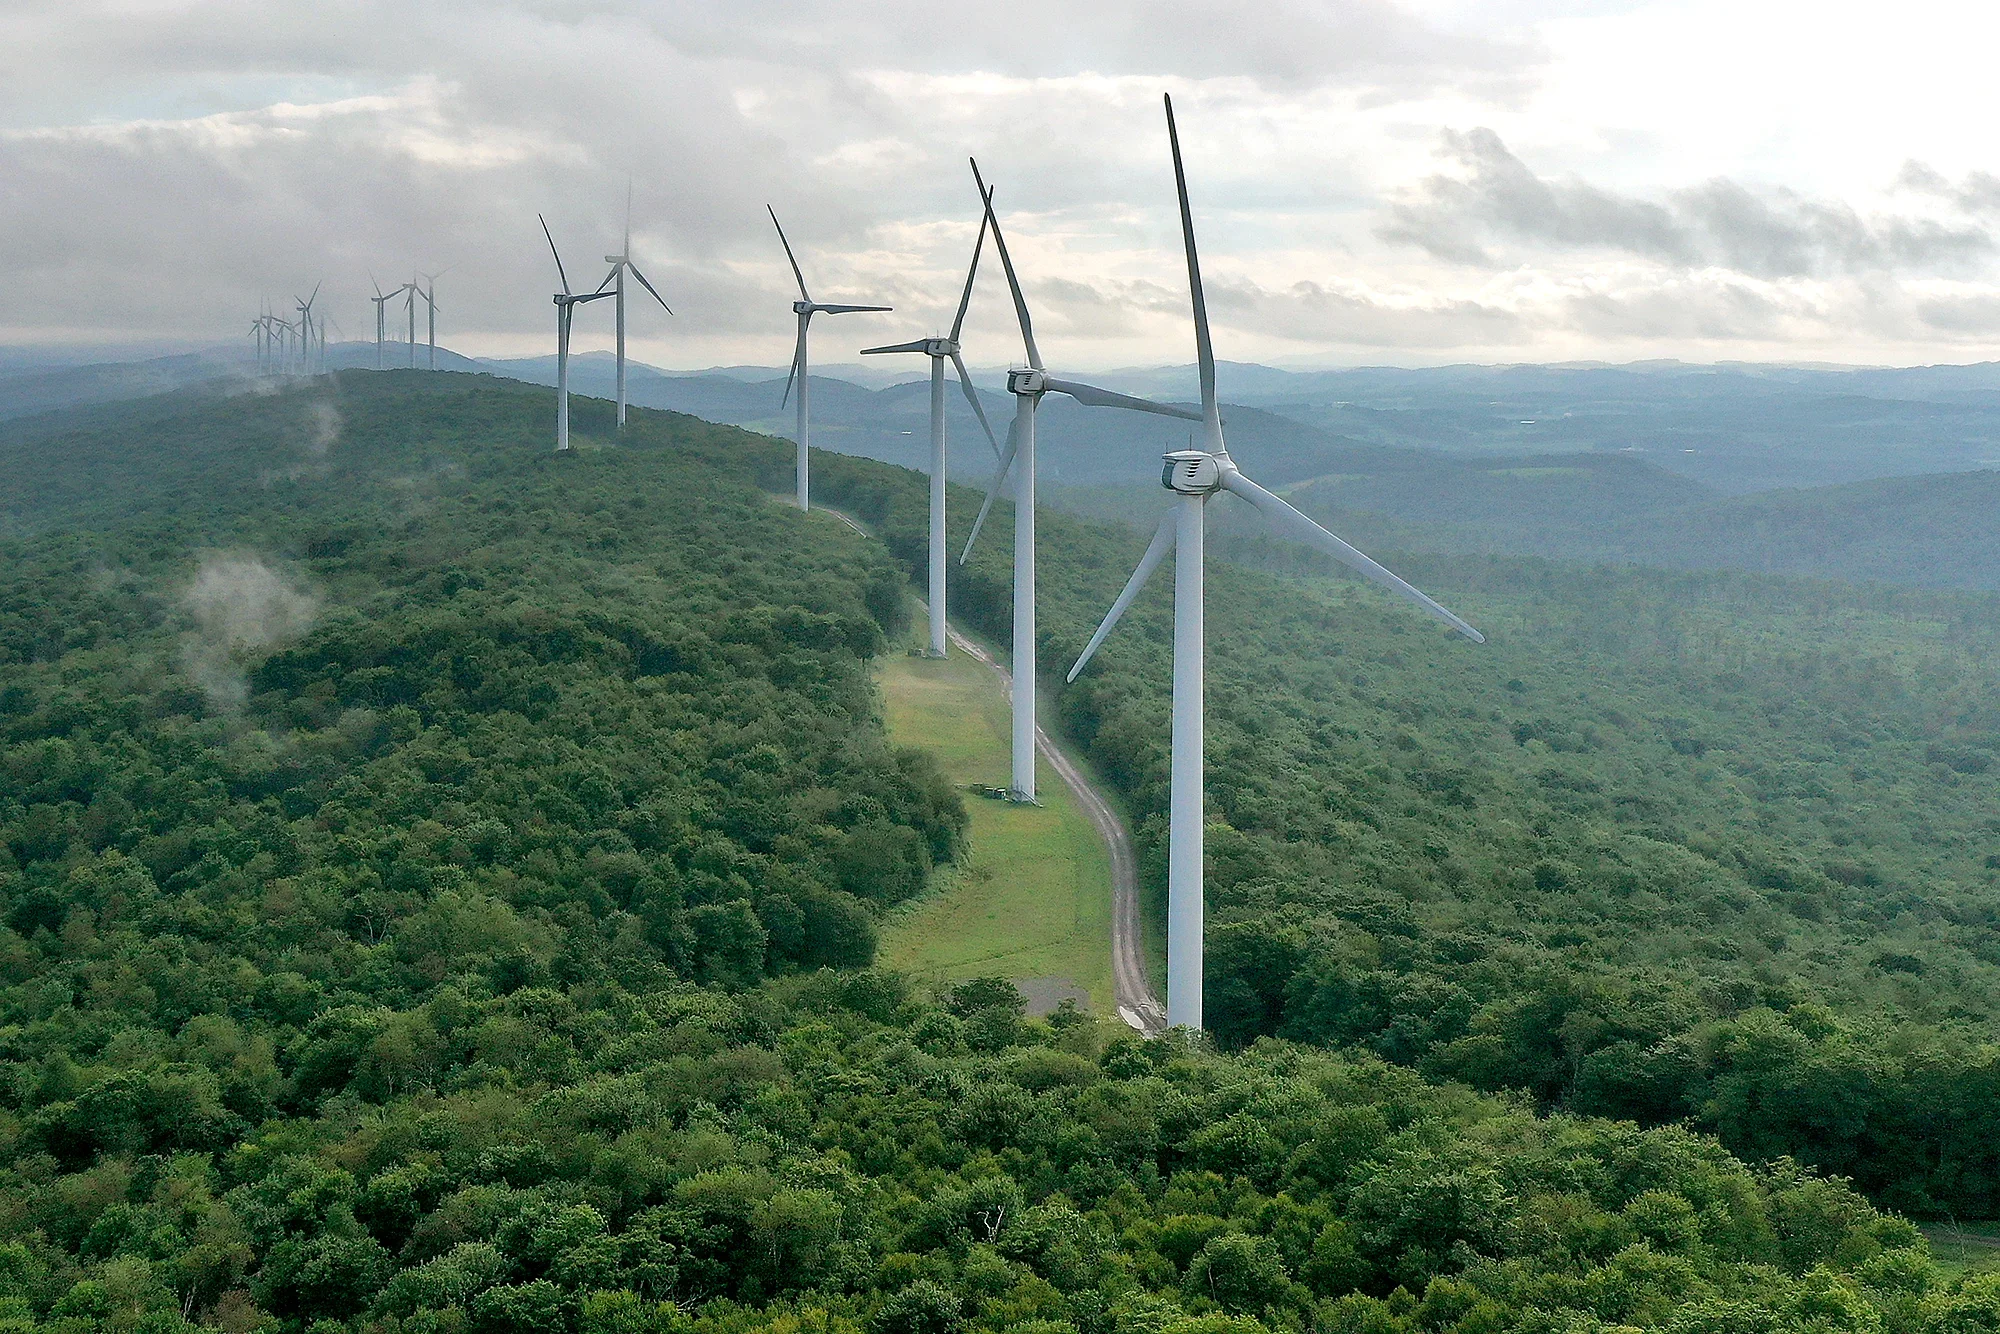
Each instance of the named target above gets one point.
<point>1191,472</point>
<point>1029,380</point>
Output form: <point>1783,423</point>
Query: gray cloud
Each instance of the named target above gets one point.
<point>1497,198</point>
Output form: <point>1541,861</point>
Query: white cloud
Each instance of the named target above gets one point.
<point>1626,179</point>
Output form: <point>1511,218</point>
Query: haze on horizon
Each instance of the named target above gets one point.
<point>1376,182</point>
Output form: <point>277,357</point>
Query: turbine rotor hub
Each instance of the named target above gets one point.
<point>1192,472</point>
<point>803,308</point>
<point>939,347</point>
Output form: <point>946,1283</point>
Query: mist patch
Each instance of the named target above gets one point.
<point>241,609</point>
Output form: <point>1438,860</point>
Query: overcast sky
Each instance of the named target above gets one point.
<point>1373,182</point>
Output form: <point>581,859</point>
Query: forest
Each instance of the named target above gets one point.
<point>1713,848</point>
<point>440,881</point>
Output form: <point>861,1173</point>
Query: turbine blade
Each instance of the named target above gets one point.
<point>798,354</point>
<point>648,286</point>
<point>552,250</point>
<point>972,270</point>
<point>819,309</point>
<point>972,397</point>
<point>1156,551</point>
<point>803,293</point>
<point>993,491</point>
<point>1302,529</point>
<point>1092,397</point>
<point>920,345</point>
<point>1007,263</point>
<point>627,251</point>
<point>1204,350</point>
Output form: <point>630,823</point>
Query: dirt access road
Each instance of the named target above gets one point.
<point>1137,1005</point>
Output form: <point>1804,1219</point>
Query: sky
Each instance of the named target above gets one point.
<point>1374,182</point>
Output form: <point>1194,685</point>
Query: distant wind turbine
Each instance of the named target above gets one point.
<point>565,310</point>
<point>306,329</point>
<point>804,308</point>
<point>1194,475</point>
<point>381,323</point>
<point>429,294</point>
<point>619,263</point>
<point>941,350</point>
<point>1028,386</point>
<point>410,292</point>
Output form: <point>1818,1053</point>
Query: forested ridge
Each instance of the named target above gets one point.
<point>1672,846</point>
<point>439,883</point>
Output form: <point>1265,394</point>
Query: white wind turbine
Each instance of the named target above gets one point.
<point>804,308</point>
<point>429,294</point>
<point>306,329</point>
<point>410,293</point>
<point>619,263</point>
<point>1194,475</point>
<point>1028,386</point>
<point>941,350</point>
<point>381,321</point>
<point>566,305</point>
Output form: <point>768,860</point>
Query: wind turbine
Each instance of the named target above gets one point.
<point>1194,475</point>
<point>429,294</point>
<point>941,350</point>
<point>381,323</point>
<point>619,263</point>
<point>409,291</point>
<point>1028,386</point>
<point>565,312</point>
<point>804,308</point>
<point>306,329</point>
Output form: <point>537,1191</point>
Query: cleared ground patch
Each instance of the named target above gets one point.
<point>1031,900</point>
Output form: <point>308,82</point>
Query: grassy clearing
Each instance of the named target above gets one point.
<point>1031,900</point>
<point>1964,1248</point>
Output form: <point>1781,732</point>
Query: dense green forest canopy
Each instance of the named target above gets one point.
<point>439,879</point>
<point>1670,846</point>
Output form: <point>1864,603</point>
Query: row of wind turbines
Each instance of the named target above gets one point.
<point>298,347</point>
<point>294,347</point>
<point>1193,476</point>
<point>410,292</point>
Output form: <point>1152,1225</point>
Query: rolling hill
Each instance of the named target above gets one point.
<point>436,880</point>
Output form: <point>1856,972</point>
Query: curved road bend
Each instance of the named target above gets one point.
<point>1132,993</point>
<point>1137,1005</point>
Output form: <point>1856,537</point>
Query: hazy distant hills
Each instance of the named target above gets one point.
<point>1933,531</point>
<point>1736,428</point>
<point>1851,474</point>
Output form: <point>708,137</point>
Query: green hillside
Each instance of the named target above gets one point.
<point>439,880</point>
<point>1672,846</point>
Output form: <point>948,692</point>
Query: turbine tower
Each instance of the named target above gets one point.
<point>306,329</point>
<point>1194,475</point>
<point>409,291</point>
<point>381,322</point>
<point>619,263</point>
<point>565,311</point>
<point>804,308</point>
<point>941,350</point>
<point>429,294</point>
<point>1028,385</point>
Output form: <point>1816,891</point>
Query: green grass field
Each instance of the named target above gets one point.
<point>1031,899</point>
